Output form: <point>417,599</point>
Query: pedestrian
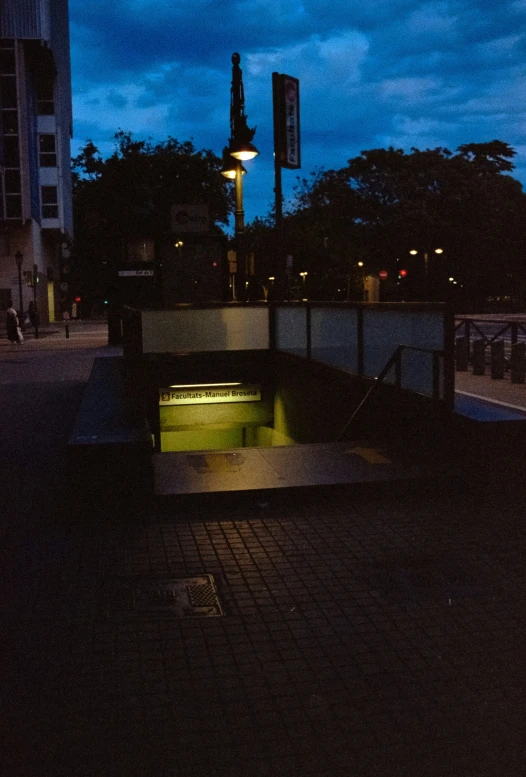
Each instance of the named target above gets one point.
<point>33,315</point>
<point>14,333</point>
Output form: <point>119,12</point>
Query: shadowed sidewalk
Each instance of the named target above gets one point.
<point>368,630</point>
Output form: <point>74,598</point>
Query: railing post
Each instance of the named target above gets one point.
<point>498,364</point>
<point>359,341</point>
<point>448,364</point>
<point>398,367</point>
<point>308,326</point>
<point>478,357</point>
<point>272,326</point>
<point>461,354</point>
<point>518,362</point>
<point>514,330</point>
<point>436,375</point>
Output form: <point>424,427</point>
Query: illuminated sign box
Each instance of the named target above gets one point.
<point>208,395</point>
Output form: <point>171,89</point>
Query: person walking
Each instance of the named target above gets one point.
<point>34,316</point>
<point>14,333</point>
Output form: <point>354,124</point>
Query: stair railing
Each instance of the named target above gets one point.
<point>395,360</point>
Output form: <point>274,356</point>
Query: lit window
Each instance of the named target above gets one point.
<point>49,202</point>
<point>47,151</point>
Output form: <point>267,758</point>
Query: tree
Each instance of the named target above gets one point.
<point>386,202</point>
<point>129,196</point>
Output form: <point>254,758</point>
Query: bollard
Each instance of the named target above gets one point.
<point>518,362</point>
<point>67,331</point>
<point>478,357</point>
<point>461,354</point>
<point>498,362</point>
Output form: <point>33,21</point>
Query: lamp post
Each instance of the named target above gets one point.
<point>304,279</point>
<point>180,274</point>
<point>36,314</point>
<point>19,258</point>
<point>414,252</point>
<point>241,148</point>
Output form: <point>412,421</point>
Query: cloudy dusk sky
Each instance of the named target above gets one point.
<point>392,72</point>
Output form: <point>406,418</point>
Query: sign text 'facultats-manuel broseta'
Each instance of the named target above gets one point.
<point>213,394</point>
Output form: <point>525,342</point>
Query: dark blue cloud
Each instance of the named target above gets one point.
<point>398,72</point>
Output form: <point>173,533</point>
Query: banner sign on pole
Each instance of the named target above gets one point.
<point>286,99</point>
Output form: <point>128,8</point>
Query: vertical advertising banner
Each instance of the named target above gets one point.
<point>286,99</point>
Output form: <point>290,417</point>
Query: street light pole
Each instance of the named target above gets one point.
<point>19,258</point>
<point>304,280</point>
<point>241,148</point>
<point>36,313</point>
<point>414,252</point>
<point>240,226</point>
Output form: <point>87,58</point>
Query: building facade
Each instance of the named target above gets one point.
<point>36,219</point>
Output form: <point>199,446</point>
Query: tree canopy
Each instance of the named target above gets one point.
<point>129,195</point>
<point>386,202</point>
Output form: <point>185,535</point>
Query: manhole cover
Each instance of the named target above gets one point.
<point>185,597</point>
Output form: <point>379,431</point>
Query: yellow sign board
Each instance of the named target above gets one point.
<point>208,395</point>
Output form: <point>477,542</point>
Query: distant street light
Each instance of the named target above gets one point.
<point>19,258</point>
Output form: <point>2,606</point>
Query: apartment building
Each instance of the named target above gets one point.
<point>36,220</point>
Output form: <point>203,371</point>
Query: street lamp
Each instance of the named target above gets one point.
<point>181,271</point>
<point>19,258</point>
<point>414,252</point>
<point>241,148</point>
<point>304,278</point>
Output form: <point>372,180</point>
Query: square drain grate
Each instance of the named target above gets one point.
<point>185,597</point>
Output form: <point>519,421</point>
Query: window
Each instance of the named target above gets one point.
<point>49,202</point>
<point>8,91</point>
<point>13,206</point>
<point>47,151</point>
<point>10,122</point>
<point>5,248</point>
<point>11,157</point>
<point>7,61</point>
<point>45,99</point>
<point>12,182</point>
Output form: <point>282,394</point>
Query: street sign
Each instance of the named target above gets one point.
<point>190,218</point>
<point>208,395</point>
<point>135,273</point>
<point>286,103</point>
<point>382,274</point>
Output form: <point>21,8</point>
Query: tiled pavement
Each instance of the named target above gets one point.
<point>366,633</point>
<point>369,631</point>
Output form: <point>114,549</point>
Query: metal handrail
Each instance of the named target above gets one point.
<point>396,360</point>
<point>515,326</point>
